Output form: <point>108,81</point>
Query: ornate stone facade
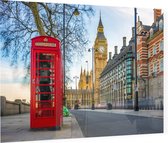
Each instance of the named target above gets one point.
<point>100,59</point>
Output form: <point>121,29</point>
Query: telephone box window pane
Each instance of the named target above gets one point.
<point>45,57</point>
<point>51,95</point>
<point>45,75</point>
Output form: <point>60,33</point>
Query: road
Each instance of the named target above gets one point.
<point>96,124</point>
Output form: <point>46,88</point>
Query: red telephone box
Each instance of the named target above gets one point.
<point>46,83</point>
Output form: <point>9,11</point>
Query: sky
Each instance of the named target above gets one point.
<point>11,82</point>
<point>117,22</point>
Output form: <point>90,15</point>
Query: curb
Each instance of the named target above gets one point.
<point>142,113</point>
<point>76,130</point>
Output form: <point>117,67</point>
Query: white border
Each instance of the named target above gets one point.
<point>147,138</point>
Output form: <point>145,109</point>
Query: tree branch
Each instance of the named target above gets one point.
<point>34,8</point>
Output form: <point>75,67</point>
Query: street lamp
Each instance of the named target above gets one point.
<point>136,106</point>
<point>87,76</point>
<point>93,78</point>
<point>76,78</point>
<point>87,85</point>
<point>76,13</point>
<point>143,33</point>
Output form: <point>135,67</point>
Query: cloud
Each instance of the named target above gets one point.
<point>14,91</point>
<point>11,83</point>
<point>10,74</point>
<point>146,14</point>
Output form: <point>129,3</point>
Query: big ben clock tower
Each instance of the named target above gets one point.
<point>100,59</point>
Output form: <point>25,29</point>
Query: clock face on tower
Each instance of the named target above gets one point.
<point>101,49</point>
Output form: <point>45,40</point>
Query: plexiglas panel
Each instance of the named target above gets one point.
<point>45,91</point>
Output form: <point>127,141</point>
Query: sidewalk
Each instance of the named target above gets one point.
<point>143,113</point>
<point>17,128</point>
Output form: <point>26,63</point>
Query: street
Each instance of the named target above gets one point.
<point>96,124</point>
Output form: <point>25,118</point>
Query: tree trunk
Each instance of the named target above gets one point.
<point>34,8</point>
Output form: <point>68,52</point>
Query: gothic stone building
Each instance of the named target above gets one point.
<point>85,89</point>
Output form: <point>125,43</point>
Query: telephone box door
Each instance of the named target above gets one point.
<point>46,95</point>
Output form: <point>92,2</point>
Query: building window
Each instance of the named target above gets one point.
<point>149,70</point>
<point>129,86</point>
<point>161,25</point>
<point>129,90</point>
<point>157,23</point>
<point>155,67</point>
<point>161,64</point>
<point>129,54</point>
<point>149,54</point>
<point>151,32</point>
<point>129,76</point>
<point>129,67</point>
<point>129,63</point>
<point>138,71</point>
<point>138,40</point>
<point>138,56</point>
<point>154,50</point>
<point>161,45</point>
<point>129,71</point>
<point>129,81</point>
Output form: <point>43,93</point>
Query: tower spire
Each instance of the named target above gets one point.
<point>100,29</point>
<point>81,71</point>
<point>100,21</point>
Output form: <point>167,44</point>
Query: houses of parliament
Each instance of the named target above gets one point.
<point>88,86</point>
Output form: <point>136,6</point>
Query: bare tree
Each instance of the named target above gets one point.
<point>21,21</point>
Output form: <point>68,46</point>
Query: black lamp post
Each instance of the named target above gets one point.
<point>89,50</point>
<point>136,106</point>
<point>87,85</point>
<point>143,33</point>
<point>87,75</point>
<point>76,101</point>
<point>76,13</point>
